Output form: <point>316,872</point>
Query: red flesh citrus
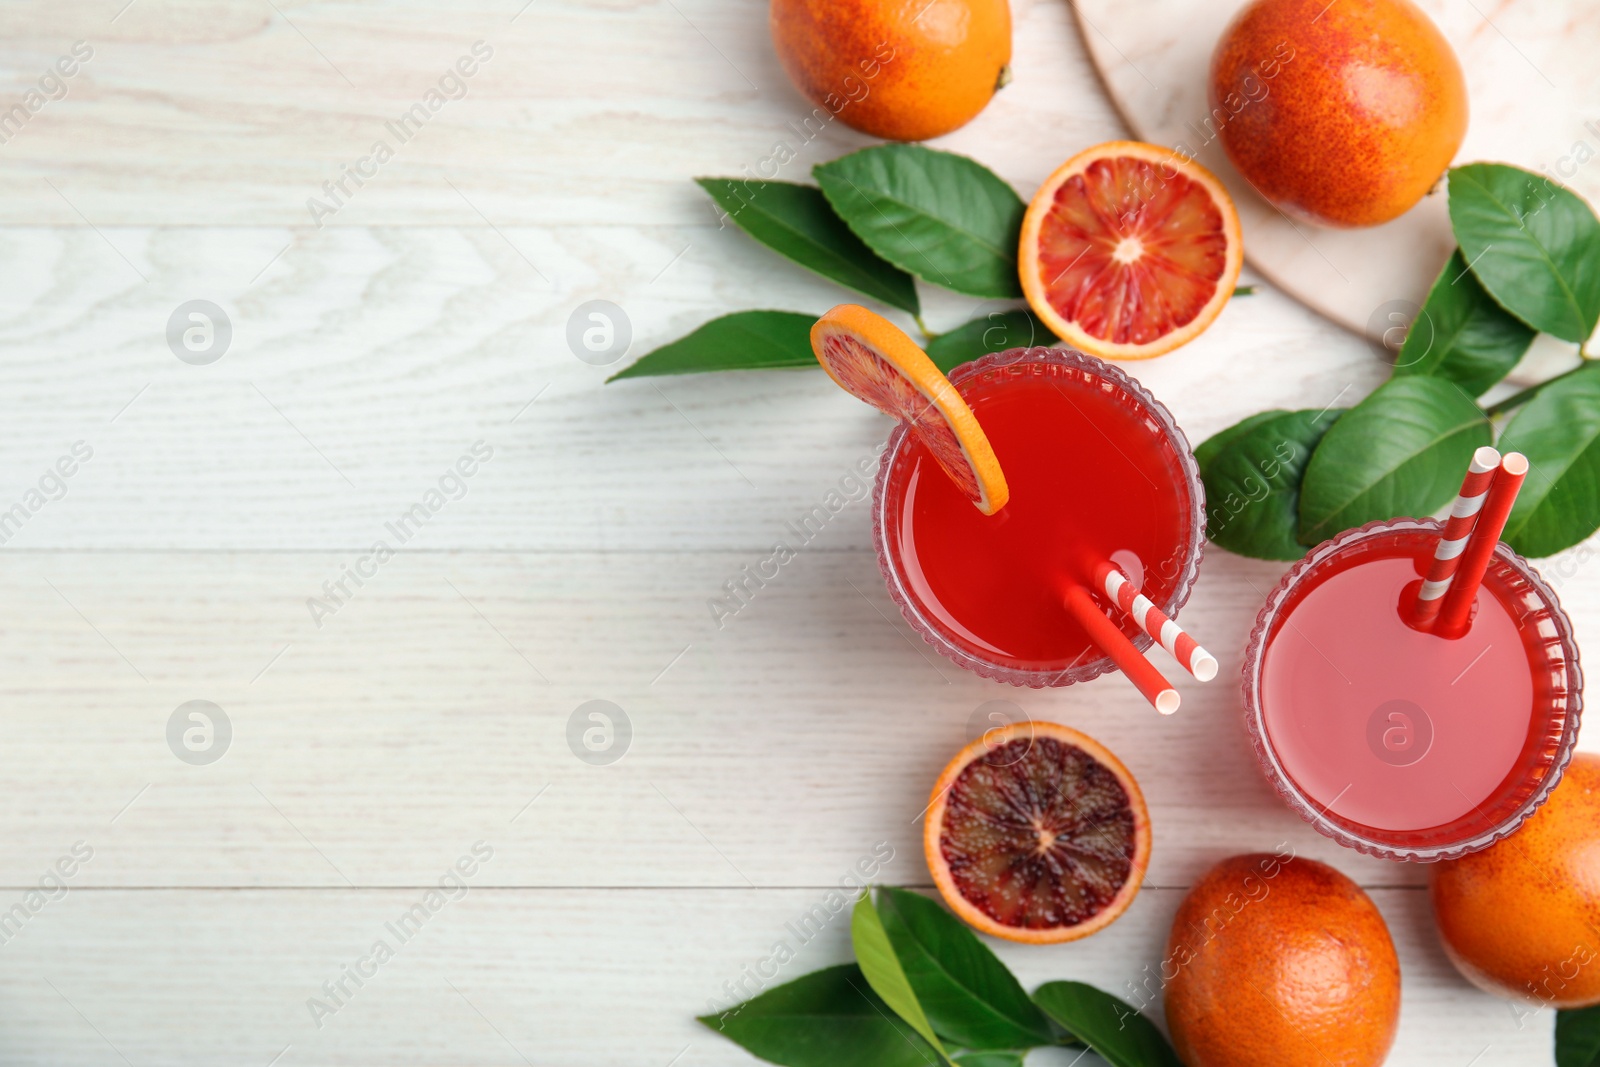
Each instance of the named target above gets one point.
<point>1037,833</point>
<point>1129,250</point>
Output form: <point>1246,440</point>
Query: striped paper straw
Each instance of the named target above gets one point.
<point>1456,612</point>
<point>1110,639</point>
<point>1457,529</point>
<point>1149,618</point>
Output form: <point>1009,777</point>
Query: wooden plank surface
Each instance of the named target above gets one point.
<point>373,740</point>
<point>363,362</point>
<point>540,976</point>
<point>434,705</point>
<point>210,112</point>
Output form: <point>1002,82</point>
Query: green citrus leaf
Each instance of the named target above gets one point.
<point>989,1058</point>
<point>882,969</point>
<point>1534,245</point>
<point>1578,1037</point>
<point>796,221</point>
<point>1119,1034</point>
<point>1462,334</point>
<point>1211,446</point>
<point>745,340</point>
<point>995,332</point>
<point>969,996</point>
<point>1559,431</point>
<point>943,217</point>
<point>829,1018</point>
<point>1401,451</point>
<point>1252,472</point>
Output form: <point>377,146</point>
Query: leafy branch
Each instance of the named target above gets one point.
<point>877,220</point>
<point>1528,262</point>
<point>924,990</point>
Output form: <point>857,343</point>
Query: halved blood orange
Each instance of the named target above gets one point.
<point>1037,833</point>
<point>873,360</point>
<point>1129,250</point>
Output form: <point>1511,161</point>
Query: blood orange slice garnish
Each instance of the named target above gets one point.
<point>1037,833</point>
<point>1129,250</point>
<point>872,359</point>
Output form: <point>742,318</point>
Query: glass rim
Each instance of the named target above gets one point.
<point>929,630</point>
<point>1315,814</point>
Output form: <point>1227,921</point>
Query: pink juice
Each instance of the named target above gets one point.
<point>1396,741</point>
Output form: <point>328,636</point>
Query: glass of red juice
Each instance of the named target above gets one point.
<point>1394,741</point>
<point>1098,472</point>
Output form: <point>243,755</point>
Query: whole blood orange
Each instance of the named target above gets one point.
<point>1037,833</point>
<point>903,70</point>
<point>1522,917</point>
<point>1344,114</point>
<point>1280,962</point>
<point>1129,250</point>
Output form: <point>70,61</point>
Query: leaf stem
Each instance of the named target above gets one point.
<point>1516,400</point>
<point>928,336</point>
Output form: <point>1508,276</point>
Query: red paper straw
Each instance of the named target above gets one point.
<point>1149,618</point>
<point>1463,517</point>
<point>1457,607</point>
<point>1114,643</point>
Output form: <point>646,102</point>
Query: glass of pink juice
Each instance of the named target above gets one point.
<point>1394,741</point>
<point>1098,472</point>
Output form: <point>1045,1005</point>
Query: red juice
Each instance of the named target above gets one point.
<point>1096,471</point>
<point>1394,740</point>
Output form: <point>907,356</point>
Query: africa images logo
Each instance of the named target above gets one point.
<point>452,85</point>
<point>452,485</point>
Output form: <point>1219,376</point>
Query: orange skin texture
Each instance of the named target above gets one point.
<point>1345,121</point>
<point>1522,917</point>
<point>903,70</point>
<point>1297,971</point>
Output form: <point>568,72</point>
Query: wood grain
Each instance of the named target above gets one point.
<point>543,977</point>
<point>433,705</point>
<point>431,710</point>
<point>364,361</point>
<point>207,112</point>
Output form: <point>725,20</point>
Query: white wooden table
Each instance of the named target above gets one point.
<point>431,710</point>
